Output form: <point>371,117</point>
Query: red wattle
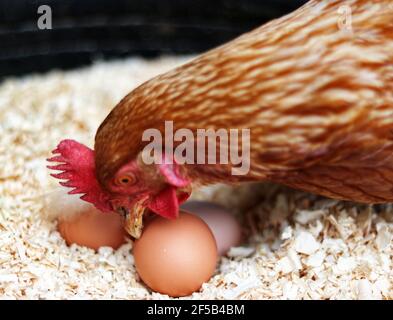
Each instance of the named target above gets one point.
<point>165,203</point>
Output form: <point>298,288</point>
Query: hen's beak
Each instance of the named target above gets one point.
<point>133,218</point>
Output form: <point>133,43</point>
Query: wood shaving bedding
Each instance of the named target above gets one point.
<point>300,246</point>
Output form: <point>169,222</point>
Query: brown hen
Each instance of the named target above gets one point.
<point>314,87</point>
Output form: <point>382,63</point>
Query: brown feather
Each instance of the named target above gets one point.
<point>318,101</point>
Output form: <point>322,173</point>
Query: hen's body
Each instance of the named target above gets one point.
<point>318,101</point>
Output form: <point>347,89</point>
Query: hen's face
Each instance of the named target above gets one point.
<point>134,187</point>
<point>137,186</point>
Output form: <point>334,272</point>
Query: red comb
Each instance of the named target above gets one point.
<point>78,170</point>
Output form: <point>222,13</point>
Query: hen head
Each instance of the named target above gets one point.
<point>135,186</point>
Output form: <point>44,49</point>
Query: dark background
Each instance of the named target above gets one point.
<point>85,30</point>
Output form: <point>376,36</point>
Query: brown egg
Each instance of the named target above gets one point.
<point>175,257</point>
<point>223,224</point>
<point>93,229</point>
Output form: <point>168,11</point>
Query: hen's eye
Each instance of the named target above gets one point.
<point>125,180</point>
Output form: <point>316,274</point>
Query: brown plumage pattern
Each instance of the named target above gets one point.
<point>318,101</point>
